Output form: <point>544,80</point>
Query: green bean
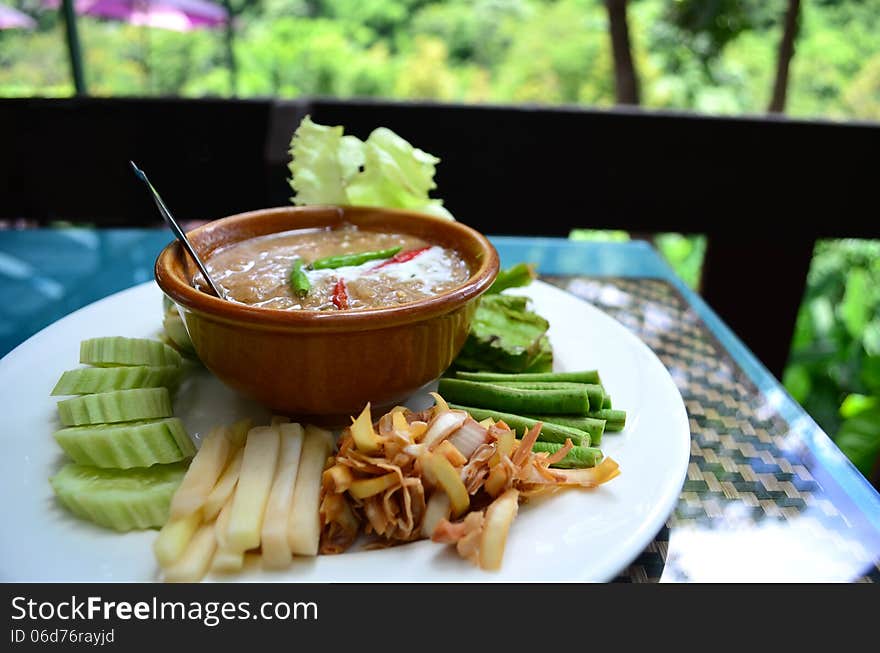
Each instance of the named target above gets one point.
<point>572,399</point>
<point>576,458</point>
<point>298,279</point>
<point>549,432</point>
<point>615,420</point>
<point>596,393</point>
<point>587,376</point>
<point>595,427</point>
<point>606,402</point>
<point>346,260</point>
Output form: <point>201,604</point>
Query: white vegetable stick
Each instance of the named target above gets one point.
<point>174,536</point>
<point>224,487</point>
<point>222,523</point>
<point>238,431</point>
<point>325,435</point>
<point>276,550</point>
<point>227,561</point>
<point>304,525</point>
<point>252,561</point>
<point>252,492</point>
<point>202,474</point>
<point>194,562</point>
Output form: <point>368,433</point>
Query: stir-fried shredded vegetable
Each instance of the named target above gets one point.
<point>439,474</point>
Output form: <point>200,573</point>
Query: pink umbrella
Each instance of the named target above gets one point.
<point>12,18</point>
<point>177,15</point>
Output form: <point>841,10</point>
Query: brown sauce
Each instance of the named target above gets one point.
<point>257,271</point>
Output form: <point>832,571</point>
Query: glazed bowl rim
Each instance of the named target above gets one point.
<point>181,291</point>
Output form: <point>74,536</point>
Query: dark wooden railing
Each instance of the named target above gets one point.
<point>762,189</point>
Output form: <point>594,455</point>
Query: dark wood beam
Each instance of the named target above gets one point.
<point>756,286</point>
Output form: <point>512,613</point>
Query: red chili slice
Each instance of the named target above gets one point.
<point>403,257</point>
<point>340,295</point>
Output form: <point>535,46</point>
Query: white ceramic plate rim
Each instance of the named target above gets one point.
<point>27,552</point>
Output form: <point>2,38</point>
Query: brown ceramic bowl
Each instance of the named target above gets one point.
<point>327,364</point>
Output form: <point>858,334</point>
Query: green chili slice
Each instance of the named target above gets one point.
<point>347,260</point>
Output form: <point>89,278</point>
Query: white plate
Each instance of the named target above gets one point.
<point>577,535</point>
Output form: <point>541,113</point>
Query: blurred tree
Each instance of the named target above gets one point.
<point>424,73</point>
<point>229,41</point>
<point>690,37</point>
<point>34,63</point>
<point>834,368</point>
<point>862,95</point>
<point>114,65</point>
<point>784,56</point>
<point>384,17</point>
<point>234,9</point>
<point>708,26</point>
<point>478,31</point>
<point>707,55</point>
<point>684,254</point>
<point>286,8</point>
<point>290,56</point>
<point>177,58</point>
<point>626,80</point>
<point>563,57</point>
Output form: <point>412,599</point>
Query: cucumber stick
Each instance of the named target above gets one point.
<point>89,380</point>
<point>175,331</point>
<point>127,444</point>
<point>121,499</point>
<point>117,406</point>
<point>117,350</point>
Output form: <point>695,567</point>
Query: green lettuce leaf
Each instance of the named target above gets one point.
<point>515,276</point>
<point>323,163</point>
<point>543,362</point>
<point>506,336</point>
<point>385,170</point>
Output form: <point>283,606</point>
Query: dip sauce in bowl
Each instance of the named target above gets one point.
<point>257,271</point>
<point>405,318</point>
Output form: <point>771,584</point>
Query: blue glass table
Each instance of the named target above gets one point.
<point>767,495</point>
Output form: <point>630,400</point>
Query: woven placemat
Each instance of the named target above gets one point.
<point>742,454</point>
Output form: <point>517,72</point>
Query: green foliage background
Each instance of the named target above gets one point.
<point>707,55</point>
<point>834,369</point>
<point>714,56</point>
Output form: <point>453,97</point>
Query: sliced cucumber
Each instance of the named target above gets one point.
<point>175,331</point>
<point>181,437</point>
<point>116,350</point>
<point>128,444</point>
<point>89,380</point>
<point>121,499</point>
<point>117,406</point>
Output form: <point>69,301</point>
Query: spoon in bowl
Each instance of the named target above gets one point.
<point>171,222</point>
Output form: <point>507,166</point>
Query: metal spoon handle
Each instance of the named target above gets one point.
<point>172,223</point>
